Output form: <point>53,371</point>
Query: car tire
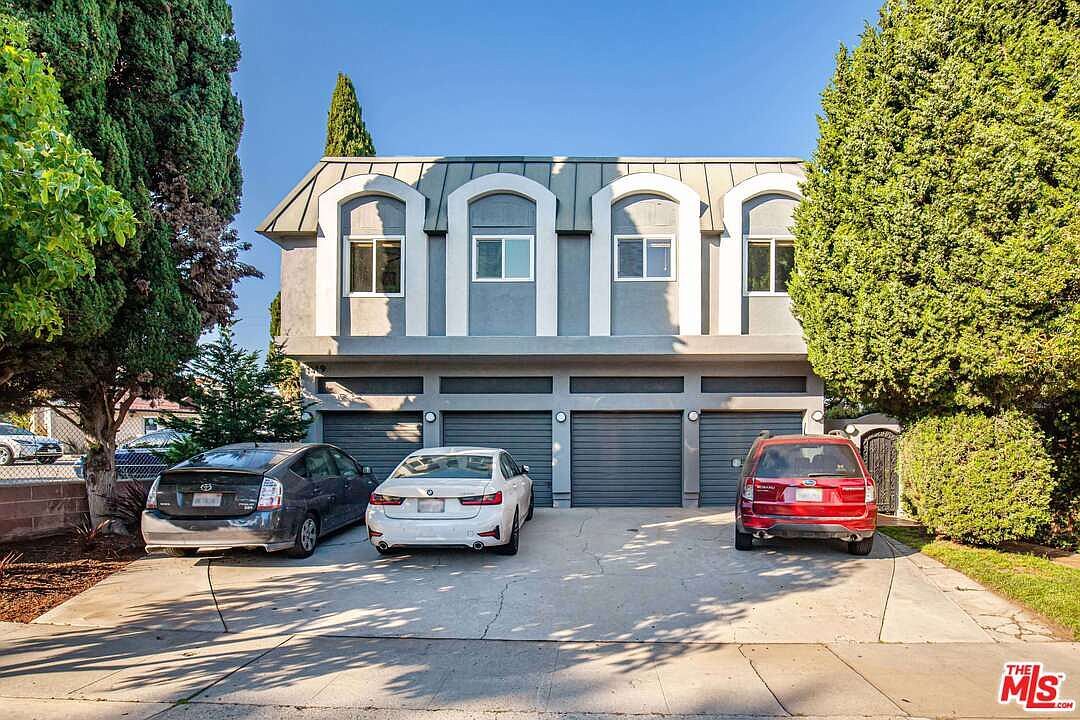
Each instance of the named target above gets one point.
<point>510,547</point>
<point>743,541</point>
<point>532,502</point>
<point>7,455</point>
<point>181,552</point>
<point>307,537</point>
<point>384,551</point>
<point>47,461</point>
<point>861,547</point>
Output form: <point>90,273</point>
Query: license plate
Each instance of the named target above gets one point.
<point>426,505</point>
<point>807,494</point>
<point>206,500</point>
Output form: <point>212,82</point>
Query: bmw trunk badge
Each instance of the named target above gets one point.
<point>430,491</point>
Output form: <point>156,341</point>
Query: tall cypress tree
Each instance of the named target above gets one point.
<point>149,92</point>
<point>346,135</point>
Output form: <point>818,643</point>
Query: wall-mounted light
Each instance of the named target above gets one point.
<point>851,429</point>
<point>736,462</point>
<point>306,416</point>
<point>693,415</point>
<point>430,416</point>
<point>817,416</point>
<point>560,416</point>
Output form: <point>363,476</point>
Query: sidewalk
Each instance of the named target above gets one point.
<point>49,671</point>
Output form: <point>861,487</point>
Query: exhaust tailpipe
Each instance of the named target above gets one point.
<point>478,545</point>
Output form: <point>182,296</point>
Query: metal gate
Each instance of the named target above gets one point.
<point>378,439</point>
<point>625,459</point>
<point>727,436</point>
<point>879,453</point>
<point>525,435</point>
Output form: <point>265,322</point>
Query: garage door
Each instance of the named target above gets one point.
<point>378,439</point>
<point>625,459</point>
<point>729,435</point>
<point>526,435</point>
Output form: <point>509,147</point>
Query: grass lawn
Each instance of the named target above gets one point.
<point>1050,589</point>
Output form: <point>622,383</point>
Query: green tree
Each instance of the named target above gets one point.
<point>289,387</point>
<point>938,247</point>
<point>54,205</point>
<point>237,400</point>
<point>346,134</point>
<point>149,93</point>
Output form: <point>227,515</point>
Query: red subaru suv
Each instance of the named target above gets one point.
<point>806,486</point>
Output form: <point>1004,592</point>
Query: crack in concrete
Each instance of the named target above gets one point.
<point>213,595</point>
<point>498,610</point>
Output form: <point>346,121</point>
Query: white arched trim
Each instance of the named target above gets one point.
<point>457,249</point>
<point>730,280</point>
<point>328,251</point>
<point>687,243</point>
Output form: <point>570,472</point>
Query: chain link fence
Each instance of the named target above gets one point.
<point>45,447</point>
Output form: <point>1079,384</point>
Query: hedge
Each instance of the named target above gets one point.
<point>977,479</point>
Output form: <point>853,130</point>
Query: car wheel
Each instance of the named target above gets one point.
<point>861,547</point>
<point>511,545</point>
<point>307,537</point>
<point>46,461</point>
<point>743,541</point>
<point>384,551</point>
<point>182,552</point>
<point>6,456</point>
<point>532,502</point>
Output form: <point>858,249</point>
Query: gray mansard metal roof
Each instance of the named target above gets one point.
<point>573,180</point>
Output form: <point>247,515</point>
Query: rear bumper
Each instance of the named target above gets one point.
<point>766,526</point>
<point>269,530</point>
<point>452,533</point>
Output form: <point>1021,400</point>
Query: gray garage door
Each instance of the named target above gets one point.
<point>378,439</point>
<point>728,435</point>
<point>526,435</point>
<point>624,459</point>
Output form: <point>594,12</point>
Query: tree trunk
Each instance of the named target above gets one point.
<point>99,468</point>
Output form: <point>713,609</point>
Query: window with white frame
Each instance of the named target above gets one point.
<point>644,257</point>
<point>769,262</point>
<point>374,267</point>
<point>502,258</point>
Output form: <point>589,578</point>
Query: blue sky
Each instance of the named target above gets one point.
<point>549,78</point>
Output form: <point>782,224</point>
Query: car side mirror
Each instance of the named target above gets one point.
<point>525,469</point>
<point>366,469</point>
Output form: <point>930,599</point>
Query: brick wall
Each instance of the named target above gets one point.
<point>29,510</point>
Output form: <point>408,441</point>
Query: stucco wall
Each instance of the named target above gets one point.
<point>770,315</point>
<point>646,307</point>
<point>502,308</point>
<point>573,285</point>
<point>298,288</point>
<point>436,285</point>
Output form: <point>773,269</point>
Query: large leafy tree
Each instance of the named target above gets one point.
<point>237,400</point>
<point>938,248</point>
<point>346,134</point>
<point>54,205</point>
<point>149,93</point>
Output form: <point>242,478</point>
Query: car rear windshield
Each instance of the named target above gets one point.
<point>807,460</point>
<point>237,459</point>
<point>475,467</point>
<point>13,430</point>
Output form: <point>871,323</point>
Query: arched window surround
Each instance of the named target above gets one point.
<point>329,251</point>
<point>688,248</point>
<point>732,255</point>
<point>458,272</point>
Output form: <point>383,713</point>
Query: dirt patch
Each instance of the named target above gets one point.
<point>51,570</point>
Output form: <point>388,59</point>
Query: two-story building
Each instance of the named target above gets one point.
<point>618,324</point>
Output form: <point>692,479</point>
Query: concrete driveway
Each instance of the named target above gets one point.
<point>625,575</point>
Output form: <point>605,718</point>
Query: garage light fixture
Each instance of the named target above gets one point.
<point>851,429</point>
<point>430,416</point>
<point>560,416</point>
<point>306,416</point>
<point>817,416</point>
<point>693,416</point>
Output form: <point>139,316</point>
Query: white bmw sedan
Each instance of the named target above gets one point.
<point>458,496</point>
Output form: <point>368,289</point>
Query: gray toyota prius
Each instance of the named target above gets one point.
<point>273,496</point>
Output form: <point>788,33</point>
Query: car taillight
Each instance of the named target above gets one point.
<point>377,499</point>
<point>870,496</point>
<point>269,495</point>
<point>494,498</point>
<point>748,490</point>
<point>151,494</point>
